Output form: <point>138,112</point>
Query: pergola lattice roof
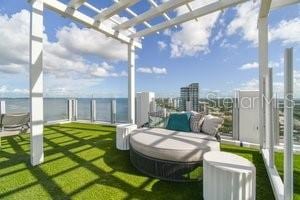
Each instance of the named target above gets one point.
<point>126,31</point>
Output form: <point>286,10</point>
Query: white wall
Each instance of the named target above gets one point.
<point>143,102</point>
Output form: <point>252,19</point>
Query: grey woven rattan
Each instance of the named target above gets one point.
<point>166,170</point>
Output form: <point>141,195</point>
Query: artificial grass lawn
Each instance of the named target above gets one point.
<point>81,162</point>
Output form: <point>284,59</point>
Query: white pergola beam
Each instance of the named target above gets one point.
<point>282,3</point>
<point>270,117</point>
<point>154,4</point>
<point>36,82</point>
<point>190,9</point>
<point>264,8</point>
<point>263,56</point>
<point>205,10</point>
<point>75,4</point>
<point>114,9</point>
<point>131,84</point>
<point>153,12</point>
<point>77,16</point>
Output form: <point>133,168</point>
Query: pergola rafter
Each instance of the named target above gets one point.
<point>75,4</point>
<point>205,10</point>
<point>114,9</point>
<point>78,16</point>
<point>151,13</point>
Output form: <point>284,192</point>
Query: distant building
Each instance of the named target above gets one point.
<point>175,102</point>
<point>189,97</point>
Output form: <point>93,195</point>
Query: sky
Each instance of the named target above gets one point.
<point>219,51</point>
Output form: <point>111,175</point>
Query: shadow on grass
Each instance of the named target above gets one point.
<point>93,151</point>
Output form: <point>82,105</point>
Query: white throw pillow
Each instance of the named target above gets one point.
<point>211,125</point>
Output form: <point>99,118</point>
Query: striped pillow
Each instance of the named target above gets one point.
<point>196,121</point>
<point>211,125</point>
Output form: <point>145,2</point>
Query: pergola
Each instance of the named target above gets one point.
<point>125,33</point>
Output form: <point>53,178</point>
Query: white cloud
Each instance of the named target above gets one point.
<point>157,70</point>
<point>146,70</point>
<point>66,58</point>
<point>14,45</point>
<point>255,65</point>
<point>246,66</point>
<point>226,44</point>
<point>288,31</point>
<point>274,64</point>
<point>5,90</point>
<point>153,70</point>
<point>250,85</point>
<point>193,38</point>
<point>67,53</point>
<point>278,86</point>
<point>161,45</point>
<point>104,70</point>
<point>245,24</point>
<point>89,41</point>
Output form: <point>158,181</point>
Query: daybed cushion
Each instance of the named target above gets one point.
<point>179,122</point>
<point>211,125</point>
<point>172,145</point>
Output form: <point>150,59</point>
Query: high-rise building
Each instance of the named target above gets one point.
<point>189,97</point>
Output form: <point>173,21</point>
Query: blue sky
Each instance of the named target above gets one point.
<point>218,51</point>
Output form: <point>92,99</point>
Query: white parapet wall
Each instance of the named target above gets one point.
<point>143,102</point>
<point>248,103</point>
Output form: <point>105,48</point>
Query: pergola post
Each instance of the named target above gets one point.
<point>288,124</point>
<point>269,117</point>
<point>36,82</point>
<point>263,65</point>
<point>131,83</point>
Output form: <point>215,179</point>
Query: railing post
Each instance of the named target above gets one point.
<point>75,110</point>
<point>276,121</point>
<point>288,124</point>
<point>70,110</point>
<point>235,118</point>
<point>2,107</point>
<point>269,117</point>
<point>113,111</point>
<point>93,110</point>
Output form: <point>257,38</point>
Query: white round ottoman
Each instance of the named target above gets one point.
<point>122,136</point>
<point>228,176</point>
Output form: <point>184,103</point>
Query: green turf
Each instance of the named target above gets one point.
<point>81,162</point>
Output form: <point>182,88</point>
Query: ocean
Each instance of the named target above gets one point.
<point>56,108</point>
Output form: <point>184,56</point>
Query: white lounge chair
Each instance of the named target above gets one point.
<point>14,124</point>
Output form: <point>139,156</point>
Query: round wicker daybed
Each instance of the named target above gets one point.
<point>170,155</point>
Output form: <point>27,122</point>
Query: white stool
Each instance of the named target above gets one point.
<point>228,176</point>
<point>122,136</point>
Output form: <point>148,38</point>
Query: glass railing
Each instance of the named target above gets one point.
<point>122,110</point>
<point>84,109</point>
<point>54,108</point>
<point>103,110</point>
